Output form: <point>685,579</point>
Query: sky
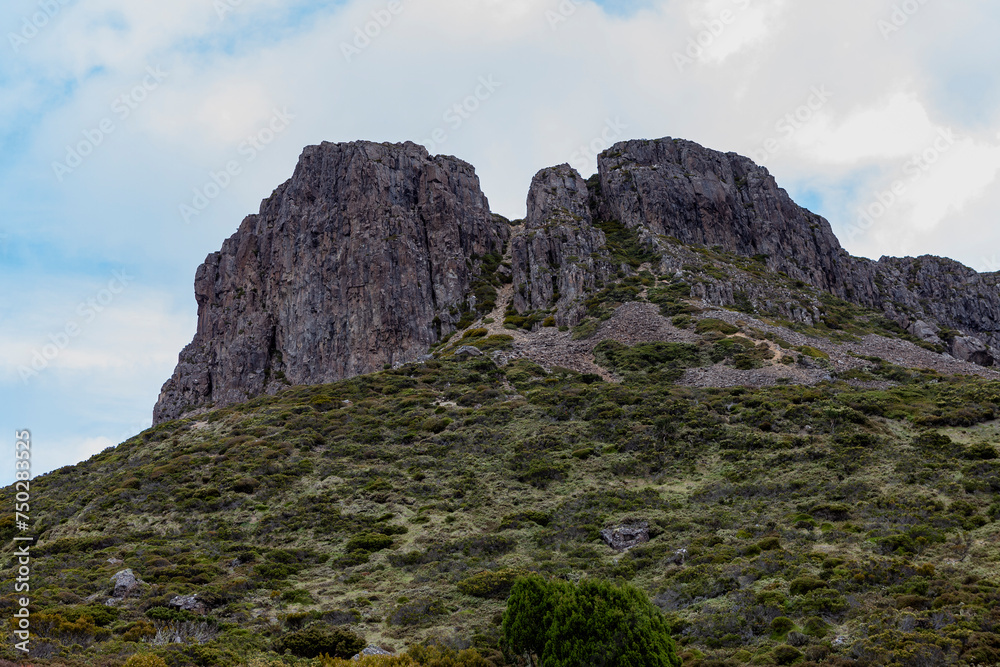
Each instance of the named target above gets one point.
<point>135,135</point>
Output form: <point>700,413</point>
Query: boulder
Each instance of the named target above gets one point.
<point>970,349</point>
<point>125,583</point>
<point>925,331</point>
<point>626,536</point>
<point>468,351</point>
<point>189,603</point>
<point>371,650</point>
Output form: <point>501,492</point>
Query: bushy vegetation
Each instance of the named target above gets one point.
<point>401,506</point>
<point>593,623</point>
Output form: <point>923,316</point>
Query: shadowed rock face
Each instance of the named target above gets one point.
<point>367,255</point>
<point>361,259</point>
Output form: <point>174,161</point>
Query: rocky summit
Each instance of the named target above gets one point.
<point>372,254</point>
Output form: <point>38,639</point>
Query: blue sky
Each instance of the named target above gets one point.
<point>115,114</point>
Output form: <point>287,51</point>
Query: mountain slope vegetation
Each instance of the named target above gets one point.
<point>831,524</point>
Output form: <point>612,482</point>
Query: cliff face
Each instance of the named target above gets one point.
<point>369,254</point>
<point>559,257</point>
<point>363,258</point>
<point>676,188</point>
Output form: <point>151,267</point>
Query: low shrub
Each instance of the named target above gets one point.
<point>317,639</point>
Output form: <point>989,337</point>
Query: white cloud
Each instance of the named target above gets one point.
<point>894,127</point>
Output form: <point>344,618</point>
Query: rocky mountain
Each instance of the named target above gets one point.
<point>373,253</point>
<point>364,257</point>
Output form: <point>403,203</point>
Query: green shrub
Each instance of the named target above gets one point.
<point>368,542</point>
<point>815,627</point>
<point>491,584</point>
<point>145,660</point>
<point>318,639</point>
<point>980,451</point>
<point>419,612</point>
<point>781,626</point>
<point>474,333</point>
<point>769,544</point>
<point>812,352</point>
<point>710,324</point>
<point>785,654</point>
<point>803,585</point>
<point>590,623</point>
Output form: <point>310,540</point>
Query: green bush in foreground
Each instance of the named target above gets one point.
<point>593,623</point>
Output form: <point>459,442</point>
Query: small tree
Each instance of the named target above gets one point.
<point>594,624</point>
<point>529,610</point>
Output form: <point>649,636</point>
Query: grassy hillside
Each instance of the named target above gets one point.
<point>820,525</point>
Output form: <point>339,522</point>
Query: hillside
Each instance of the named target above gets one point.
<point>865,516</point>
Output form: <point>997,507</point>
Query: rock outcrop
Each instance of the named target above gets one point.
<point>676,188</point>
<point>371,253</point>
<point>363,258</point>
<point>626,536</point>
<point>559,257</point>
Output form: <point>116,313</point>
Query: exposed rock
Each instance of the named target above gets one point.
<point>468,351</point>
<point>189,603</point>
<point>970,349</point>
<point>125,583</point>
<point>559,256</point>
<point>369,253</point>
<point>363,258</point>
<point>676,188</point>
<point>626,536</point>
<point>925,331</point>
<point>371,650</point>
<point>671,187</point>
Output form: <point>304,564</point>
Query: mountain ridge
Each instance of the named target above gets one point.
<point>371,254</point>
